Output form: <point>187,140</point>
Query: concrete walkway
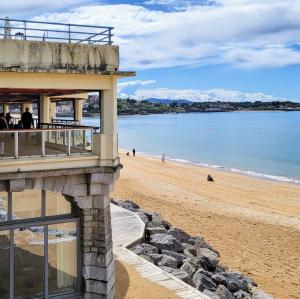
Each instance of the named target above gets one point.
<point>128,229</point>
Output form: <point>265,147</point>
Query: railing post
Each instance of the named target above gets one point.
<point>43,144</point>
<point>83,139</point>
<point>109,37</point>
<point>69,142</point>
<point>69,33</point>
<point>25,30</point>
<point>16,145</point>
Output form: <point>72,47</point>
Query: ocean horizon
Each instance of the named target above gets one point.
<point>261,144</point>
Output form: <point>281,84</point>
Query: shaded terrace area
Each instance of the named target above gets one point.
<point>49,134</point>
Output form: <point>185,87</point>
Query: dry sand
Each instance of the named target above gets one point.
<point>129,284</point>
<point>254,223</point>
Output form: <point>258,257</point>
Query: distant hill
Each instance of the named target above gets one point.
<point>154,106</point>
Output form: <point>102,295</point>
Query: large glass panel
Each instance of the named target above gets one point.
<point>62,252</point>
<point>26,204</point>
<point>4,264</point>
<point>29,263</point>
<point>56,204</point>
<point>3,207</point>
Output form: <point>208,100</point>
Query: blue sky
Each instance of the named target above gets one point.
<point>201,49</point>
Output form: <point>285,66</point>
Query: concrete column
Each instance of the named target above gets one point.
<point>26,105</point>
<point>5,108</point>
<point>78,110</point>
<point>106,145</point>
<point>52,111</point>
<point>44,109</point>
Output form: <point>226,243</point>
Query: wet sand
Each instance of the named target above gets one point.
<point>254,223</point>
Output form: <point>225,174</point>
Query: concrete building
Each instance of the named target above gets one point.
<point>56,176</point>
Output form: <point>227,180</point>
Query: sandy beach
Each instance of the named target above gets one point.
<point>254,223</point>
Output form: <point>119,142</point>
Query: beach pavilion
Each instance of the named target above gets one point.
<point>56,177</point>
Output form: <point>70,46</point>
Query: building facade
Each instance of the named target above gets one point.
<point>56,176</point>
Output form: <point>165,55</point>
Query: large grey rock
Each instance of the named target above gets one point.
<point>203,282</point>
<point>144,249</point>
<point>155,230</point>
<point>211,294</point>
<point>149,214</point>
<point>257,294</point>
<point>189,250</point>
<point>188,268</point>
<point>155,258</point>
<point>167,242</point>
<point>179,234</point>
<point>241,295</point>
<point>223,292</point>
<point>128,205</point>
<point>204,272</point>
<point>207,259</point>
<point>234,281</point>
<point>219,279</point>
<point>163,260</point>
<point>180,274</point>
<point>159,221</point>
<point>199,242</point>
<point>168,261</point>
<point>143,216</point>
<point>235,285</point>
<point>178,256</point>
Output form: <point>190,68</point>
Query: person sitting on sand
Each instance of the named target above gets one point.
<point>210,178</point>
<point>127,154</point>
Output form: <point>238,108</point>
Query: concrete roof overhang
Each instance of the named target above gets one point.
<point>16,96</point>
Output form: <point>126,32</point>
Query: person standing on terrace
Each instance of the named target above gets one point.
<point>3,122</point>
<point>27,119</point>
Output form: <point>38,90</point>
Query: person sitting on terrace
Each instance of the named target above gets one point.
<point>9,120</point>
<point>27,119</point>
<point>3,122</point>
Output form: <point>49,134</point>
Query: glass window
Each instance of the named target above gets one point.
<point>29,263</point>
<point>62,258</point>
<point>3,206</point>
<point>56,204</point>
<point>26,204</point>
<point>4,262</point>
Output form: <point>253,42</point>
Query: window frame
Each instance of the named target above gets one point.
<point>11,225</point>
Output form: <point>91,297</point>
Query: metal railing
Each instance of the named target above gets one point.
<point>65,141</point>
<point>57,32</point>
<point>65,121</point>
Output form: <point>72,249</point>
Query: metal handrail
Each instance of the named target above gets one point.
<point>47,32</point>
<point>65,138</point>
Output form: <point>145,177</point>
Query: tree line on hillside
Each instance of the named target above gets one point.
<point>131,106</point>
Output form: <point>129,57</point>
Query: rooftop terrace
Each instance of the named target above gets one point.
<point>55,32</point>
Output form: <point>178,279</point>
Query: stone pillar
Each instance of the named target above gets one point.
<point>5,108</point>
<point>98,266</point>
<point>52,111</point>
<point>78,110</point>
<point>106,145</point>
<point>26,105</point>
<point>44,109</point>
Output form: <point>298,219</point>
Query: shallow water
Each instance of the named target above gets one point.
<point>257,143</point>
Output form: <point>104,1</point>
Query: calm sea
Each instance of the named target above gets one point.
<point>256,143</point>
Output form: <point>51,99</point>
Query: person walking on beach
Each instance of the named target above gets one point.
<point>133,152</point>
<point>27,119</point>
<point>163,157</point>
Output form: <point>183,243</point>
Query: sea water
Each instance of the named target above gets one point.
<point>265,144</point>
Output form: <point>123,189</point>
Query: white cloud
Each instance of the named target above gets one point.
<point>124,85</point>
<point>243,33</point>
<point>20,7</point>
<point>212,95</point>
